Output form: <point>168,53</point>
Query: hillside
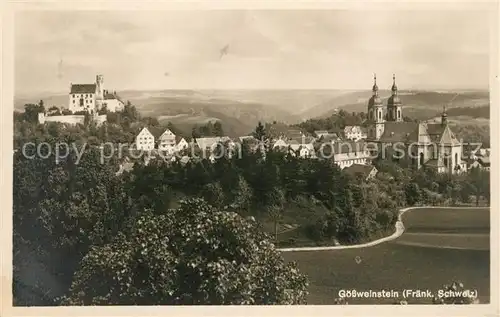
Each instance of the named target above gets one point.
<point>416,104</point>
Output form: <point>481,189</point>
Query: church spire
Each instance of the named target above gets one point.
<point>375,87</point>
<point>394,87</point>
<point>444,117</point>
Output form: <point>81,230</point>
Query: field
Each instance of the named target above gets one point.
<point>417,260</point>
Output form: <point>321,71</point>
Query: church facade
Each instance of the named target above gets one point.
<point>433,145</point>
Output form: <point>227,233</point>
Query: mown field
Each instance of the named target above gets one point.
<point>414,261</point>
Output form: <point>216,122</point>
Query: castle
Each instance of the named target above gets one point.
<point>93,97</point>
<point>432,145</point>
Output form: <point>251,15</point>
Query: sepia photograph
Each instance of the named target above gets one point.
<point>249,156</point>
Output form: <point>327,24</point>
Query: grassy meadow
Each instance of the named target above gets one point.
<point>413,261</point>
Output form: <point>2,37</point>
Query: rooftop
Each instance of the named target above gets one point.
<point>83,89</point>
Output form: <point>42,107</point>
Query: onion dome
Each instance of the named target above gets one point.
<point>394,87</point>
<point>393,100</point>
<point>375,87</point>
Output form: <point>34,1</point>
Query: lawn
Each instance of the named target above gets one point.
<point>397,265</point>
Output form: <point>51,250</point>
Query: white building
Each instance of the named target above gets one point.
<point>280,143</point>
<point>354,132</point>
<point>112,102</point>
<point>181,144</point>
<point>145,141</point>
<point>82,97</point>
<point>92,97</point>
<point>166,141</point>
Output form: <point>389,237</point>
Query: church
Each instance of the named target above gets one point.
<point>433,145</point>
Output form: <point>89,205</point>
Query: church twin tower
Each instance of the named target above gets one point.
<point>376,114</point>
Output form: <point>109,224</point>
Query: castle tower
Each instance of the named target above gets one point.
<point>394,105</point>
<point>99,81</point>
<point>375,113</point>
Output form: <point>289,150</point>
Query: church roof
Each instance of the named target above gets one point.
<point>442,134</point>
<point>83,89</point>
<point>400,132</point>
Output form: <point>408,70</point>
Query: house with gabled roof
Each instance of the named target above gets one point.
<point>145,140</point>
<point>166,141</point>
<point>362,170</point>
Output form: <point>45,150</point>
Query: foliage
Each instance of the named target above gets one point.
<point>225,258</point>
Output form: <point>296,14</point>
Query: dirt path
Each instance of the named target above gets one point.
<point>399,230</point>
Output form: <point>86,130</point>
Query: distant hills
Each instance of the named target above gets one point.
<point>240,110</point>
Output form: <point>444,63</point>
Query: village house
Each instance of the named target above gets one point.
<point>350,153</point>
<point>433,145</point>
<point>365,171</point>
<point>354,132</point>
<point>303,145</point>
<point>320,133</point>
<point>484,162</point>
<point>180,144</point>
<point>167,142</point>
<point>280,144</point>
<point>145,141</point>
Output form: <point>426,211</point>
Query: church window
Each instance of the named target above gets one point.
<point>379,115</point>
<point>421,158</point>
<point>456,158</point>
<point>445,161</point>
<point>399,114</point>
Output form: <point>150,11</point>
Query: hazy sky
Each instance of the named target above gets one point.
<point>265,49</point>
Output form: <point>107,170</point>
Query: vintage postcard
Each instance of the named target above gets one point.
<point>255,159</point>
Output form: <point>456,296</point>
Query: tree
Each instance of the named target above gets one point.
<point>193,255</point>
<point>412,193</point>
<point>31,112</point>
<point>275,201</point>
<point>260,132</point>
<point>214,194</point>
<point>480,182</point>
<point>243,195</point>
<point>218,131</point>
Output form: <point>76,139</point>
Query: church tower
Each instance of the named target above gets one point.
<point>394,105</point>
<point>444,117</point>
<point>375,113</point>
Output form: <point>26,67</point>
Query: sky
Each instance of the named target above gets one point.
<point>267,49</point>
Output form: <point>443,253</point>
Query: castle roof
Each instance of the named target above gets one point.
<point>110,96</point>
<point>83,88</point>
